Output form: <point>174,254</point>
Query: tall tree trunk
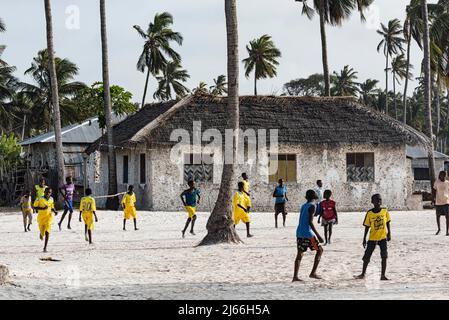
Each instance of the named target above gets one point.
<point>220,225</point>
<point>427,90</point>
<point>386,84</point>
<point>327,80</point>
<point>436,91</point>
<point>394,95</point>
<point>255,83</point>
<point>146,88</point>
<point>405,101</point>
<point>112,203</point>
<point>447,122</point>
<point>54,99</point>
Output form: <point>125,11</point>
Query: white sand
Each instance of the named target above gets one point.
<point>156,263</point>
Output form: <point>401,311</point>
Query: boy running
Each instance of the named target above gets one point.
<point>377,221</point>
<point>129,208</point>
<point>241,205</point>
<point>245,181</point>
<point>440,193</point>
<point>27,210</point>
<point>88,210</point>
<point>45,205</point>
<point>280,193</point>
<point>328,215</point>
<point>307,237</point>
<point>67,193</point>
<point>39,189</point>
<point>190,198</point>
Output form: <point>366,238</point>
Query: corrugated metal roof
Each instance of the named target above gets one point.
<point>421,153</point>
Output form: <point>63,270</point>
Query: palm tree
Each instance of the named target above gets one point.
<point>201,89</point>
<point>220,225</point>
<point>332,12</point>
<point>172,78</point>
<point>2,26</point>
<point>391,44</point>
<point>345,82</point>
<point>368,92</point>
<point>220,86</point>
<point>157,47</point>
<point>54,95</point>
<point>111,202</point>
<point>427,89</point>
<point>40,93</point>
<point>262,59</point>
<point>8,86</point>
<point>400,70</point>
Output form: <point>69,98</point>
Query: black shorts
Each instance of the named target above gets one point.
<point>307,243</point>
<point>371,245</point>
<point>442,210</point>
<point>280,208</point>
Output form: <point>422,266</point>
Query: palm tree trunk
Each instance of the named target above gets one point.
<point>146,88</point>
<point>409,41</point>
<point>327,80</point>
<point>255,83</point>
<point>394,95</point>
<point>386,84</point>
<point>111,203</point>
<point>54,98</point>
<point>427,90</point>
<point>220,225</point>
<point>438,112</point>
<point>447,122</point>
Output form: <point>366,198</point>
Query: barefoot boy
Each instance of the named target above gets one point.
<point>440,194</point>
<point>129,208</point>
<point>307,237</point>
<point>45,206</point>
<point>190,198</point>
<point>27,210</point>
<point>328,215</point>
<point>67,191</point>
<point>88,210</point>
<point>241,205</point>
<point>280,193</point>
<point>245,181</point>
<point>377,221</point>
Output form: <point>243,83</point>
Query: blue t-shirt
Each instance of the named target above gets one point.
<point>280,193</point>
<point>304,230</point>
<point>191,197</point>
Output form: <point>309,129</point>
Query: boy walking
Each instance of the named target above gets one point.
<point>440,194</point>
<point>280,193</point>
<point>45,206</point>
<point>190,199</point>
<point>129,207</point>
<point>67,191</point>
<point>27,210</point>
<point>377,221</point>
<point>241,205</point>
<point>88,210</point>
<point>307,237</point>
<point>328,215</point>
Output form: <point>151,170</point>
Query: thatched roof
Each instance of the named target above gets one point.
<point>300,120</point>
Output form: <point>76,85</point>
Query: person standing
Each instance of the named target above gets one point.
<point>67,191</point>
<point>440,193</point>
<point>280,193</point>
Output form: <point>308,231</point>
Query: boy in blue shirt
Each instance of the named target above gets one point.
<point>280,193</point>
<point>190,198</point>
<point>307,235</point>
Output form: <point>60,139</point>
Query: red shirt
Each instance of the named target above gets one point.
<point>328,211</point>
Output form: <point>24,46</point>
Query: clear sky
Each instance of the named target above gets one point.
<point>202,23</point>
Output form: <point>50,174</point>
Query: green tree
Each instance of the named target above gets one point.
<point>201,89</point>
<point>345,82</point>
<point>157,47</point>
<point>171,80</point>
<point>220,86</point>
<point>9,153</point>
<point>391,44</point>
<point>400,70</point>
<point>368,92</point>
<point>311,86</point>
<point>332,12</point>
<point>263,59</point>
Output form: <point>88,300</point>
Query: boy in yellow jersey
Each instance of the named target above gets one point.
<point>190,198</point>
<point>45,205</point>
<point>88,210</point>
<point>245,181</point>
<point>129,208</point>
<point>240,205</point>
<point>377,221</point>
<point>39,189</point>
<point>27,210</point>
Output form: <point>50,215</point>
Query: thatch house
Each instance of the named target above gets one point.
<point>356,151</point>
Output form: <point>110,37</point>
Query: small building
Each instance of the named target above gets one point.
<point>355,150</point>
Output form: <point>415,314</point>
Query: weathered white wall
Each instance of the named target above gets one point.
<point>393,179</point>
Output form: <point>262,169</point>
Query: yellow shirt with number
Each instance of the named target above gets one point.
<point>87,207</point>
<point>377,222</point>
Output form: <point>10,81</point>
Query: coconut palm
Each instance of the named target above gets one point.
<point>427,89</point>
<point>171,81</point>
<point>40,93</point>
<point>391,44</point>
<point>220,86</point>
<point>263,59</point>
<point>54,94</point>
<point>157,48</point>
<point>8,87</point>
<point>220,225</point>
<point>345,82</point>
<point>2,26</point>
<point>368,92</point>
<point>400,70</point>
<point>201,89</point>
<point>332,12</point>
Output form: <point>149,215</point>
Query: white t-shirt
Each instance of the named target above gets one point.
<point>442,192</point>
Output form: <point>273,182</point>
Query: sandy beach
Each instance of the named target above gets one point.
<point>156,263</point>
